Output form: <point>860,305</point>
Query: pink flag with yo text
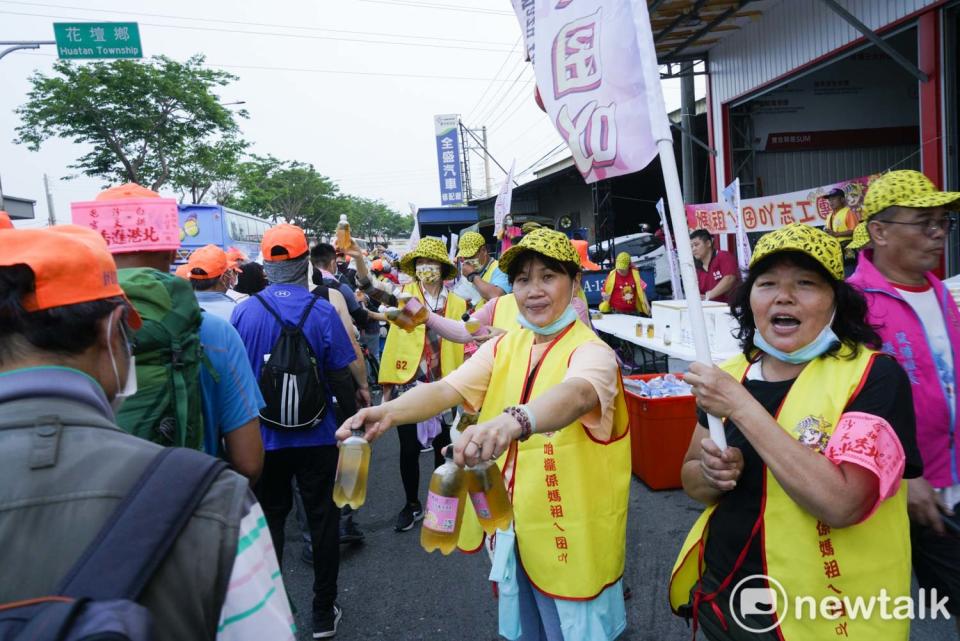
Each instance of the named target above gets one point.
<point>597,73</point>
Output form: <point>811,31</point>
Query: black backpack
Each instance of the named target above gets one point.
<point>96,600</point>
<point>294,393</point>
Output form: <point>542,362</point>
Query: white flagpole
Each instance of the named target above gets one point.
<point>668,162</point>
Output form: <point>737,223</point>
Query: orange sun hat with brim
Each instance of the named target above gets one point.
<point>70,265</point>
<point>207,263</point>
<point>5,222</point>
<point>287,237</point>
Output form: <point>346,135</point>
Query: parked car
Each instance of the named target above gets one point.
<point>646,250</point>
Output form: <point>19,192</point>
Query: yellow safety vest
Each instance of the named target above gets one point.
<point>570,491</point>
<point>505,312</point>
<point>640,300</point>
<point>807,557</point>
<point>487,278</point>
<point>404,350</point>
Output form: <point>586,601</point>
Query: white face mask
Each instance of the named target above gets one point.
<point>129,387</point>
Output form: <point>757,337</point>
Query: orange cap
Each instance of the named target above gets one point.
<point>70,265</point>
<point>235,257</point>
<point>5,220</point>
<point>377,265</point>
<point>207,263</point>
<point>289,238</point>
<point>183,271</point>
<point>126,192</point>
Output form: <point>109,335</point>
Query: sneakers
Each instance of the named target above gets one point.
<point>408,516</point>
<point>325,624</point>
<point>349,532</point>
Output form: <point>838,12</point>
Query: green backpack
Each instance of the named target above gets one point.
<point>166,408</point>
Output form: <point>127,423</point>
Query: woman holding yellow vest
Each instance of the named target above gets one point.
<point>623,290</point>
<point>412,358</point>
<point>806,512</point>
<point>552,414</point>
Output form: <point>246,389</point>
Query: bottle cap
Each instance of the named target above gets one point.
<point>448,454</point>
<point>357,432</point>
<point>465,317</point>
<point>343,218</point>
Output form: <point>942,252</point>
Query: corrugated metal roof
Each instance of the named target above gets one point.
<point>689,28</point>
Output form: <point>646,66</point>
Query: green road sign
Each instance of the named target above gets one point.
<point>97,40</point>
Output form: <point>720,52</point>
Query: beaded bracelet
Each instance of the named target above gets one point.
<point>522,416</point>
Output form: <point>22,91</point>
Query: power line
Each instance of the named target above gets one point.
<point>497,73</point>
<point>274,34</point>
<point>442,7</point>
<point>519,100</point>
<point>249,24</point>
<point>542,158</point>
<point>499,97</point>
<point>330,71</point>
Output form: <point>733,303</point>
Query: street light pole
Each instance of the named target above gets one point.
<point>16,45</point>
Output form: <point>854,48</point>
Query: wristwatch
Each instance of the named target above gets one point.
<point>472,276</point>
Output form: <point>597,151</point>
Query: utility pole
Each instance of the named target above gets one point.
<point>52,216</point>
<point>486,163</point>
<point>688,108</point>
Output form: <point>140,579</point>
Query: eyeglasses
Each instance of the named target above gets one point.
<point>930,226</point>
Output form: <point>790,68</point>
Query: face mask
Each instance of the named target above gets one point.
<point>568,316</point>
<point>129,387</point>
<point>825,340</point>
<point>428,273</point>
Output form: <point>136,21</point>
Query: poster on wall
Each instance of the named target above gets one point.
<point>766,213</point>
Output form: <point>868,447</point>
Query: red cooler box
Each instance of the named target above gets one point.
<point>660,432</point>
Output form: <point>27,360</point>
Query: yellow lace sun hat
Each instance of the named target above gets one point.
<point>432,248</point>
<point>545,242</point>
<point>902,188</point>
<point>813,242</point>
<point>470,244</point>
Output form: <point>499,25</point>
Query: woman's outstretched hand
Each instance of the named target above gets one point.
<point>374,421</point>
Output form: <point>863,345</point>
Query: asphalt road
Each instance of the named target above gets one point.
<point>391,589</point>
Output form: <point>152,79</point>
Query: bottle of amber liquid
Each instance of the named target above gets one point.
<point>416,311</point>
<point>343,233</point>
<point>472,326</point>
<point>448,491</point>
<point>398,318</point>
<point>489,496</point>
<point>350,485</point>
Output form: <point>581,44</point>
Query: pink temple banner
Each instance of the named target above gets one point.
<point>131,225</point>
<point>604,101</point>
<point>766,213</point>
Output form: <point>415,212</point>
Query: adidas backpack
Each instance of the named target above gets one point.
<point>294,393</point>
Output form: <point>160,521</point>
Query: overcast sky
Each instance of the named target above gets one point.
<point>350,86</point>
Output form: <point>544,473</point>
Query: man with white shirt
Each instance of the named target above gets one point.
<point>906,224</point>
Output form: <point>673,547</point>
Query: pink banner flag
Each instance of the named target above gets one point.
<point>605,101</point>
<point>504,199</point>
<point>766,213</point>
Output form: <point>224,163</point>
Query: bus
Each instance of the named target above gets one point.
<point>202,225</point>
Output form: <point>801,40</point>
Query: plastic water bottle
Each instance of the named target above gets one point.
<point>472,326</point>
<point>343,233</point>
<point>350,485</point>
<point>489,496</point>
<point>441,523</point>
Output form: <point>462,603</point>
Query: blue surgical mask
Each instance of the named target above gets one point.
<point>568,316</point>
<point>824,341</point>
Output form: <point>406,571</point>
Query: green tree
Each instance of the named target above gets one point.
<point>290,190</point>
<point>208,168</point>
<point>139,117</point>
